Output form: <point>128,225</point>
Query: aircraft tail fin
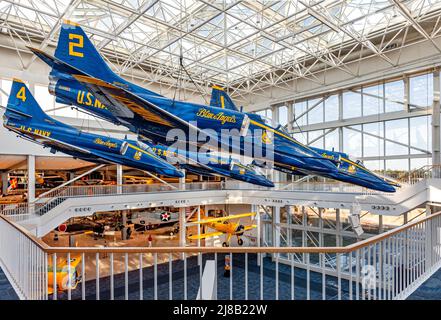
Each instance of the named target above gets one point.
<point>221,99</point>
<point>75,48</point>
<point>22,103</point>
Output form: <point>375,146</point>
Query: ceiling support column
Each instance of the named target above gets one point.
<point>5,183</point>
<point>119,178</point>
<point>31,178</point>
<point>182,229</point>
<point>436,159</point>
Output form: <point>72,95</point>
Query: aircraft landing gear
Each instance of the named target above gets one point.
<point>224,244</point>
<point>239,241</point>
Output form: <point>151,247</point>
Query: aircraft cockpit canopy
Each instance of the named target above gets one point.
<point>144,146</point>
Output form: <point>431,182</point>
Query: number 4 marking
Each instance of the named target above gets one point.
<point>79,44</point>
<point>21,94</point>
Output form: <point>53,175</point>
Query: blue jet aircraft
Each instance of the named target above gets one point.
<point>152,115</point>
<point>24,116</point>
<point>73,93</point>
<point>349,171</point>
<point>216,165</point>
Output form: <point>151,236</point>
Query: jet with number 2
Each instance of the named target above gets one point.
<point>76,62</point>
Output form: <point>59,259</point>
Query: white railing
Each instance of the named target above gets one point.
<point>388,266</point>
<point>416,175</point>
<point>22,211</point>
<point>24,261</point>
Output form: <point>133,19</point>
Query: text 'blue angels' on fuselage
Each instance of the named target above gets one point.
<point>348,170</point>
<point>152,115</point>
<point>212,164</point>
<point>24,116</point>
<point>73,93</point>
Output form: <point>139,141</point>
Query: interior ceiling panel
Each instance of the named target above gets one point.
<point>7,162</point>
<point>241,45</point>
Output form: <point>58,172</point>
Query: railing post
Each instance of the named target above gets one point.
<point>428,241</point>
<point>119,178</point>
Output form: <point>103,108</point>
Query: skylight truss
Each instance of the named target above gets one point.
<point>246,46</point>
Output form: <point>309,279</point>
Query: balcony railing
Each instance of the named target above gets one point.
<point>388,266</point>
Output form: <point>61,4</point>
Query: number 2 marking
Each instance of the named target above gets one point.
<point>78,44</point>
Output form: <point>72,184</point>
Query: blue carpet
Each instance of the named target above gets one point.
<point>429,290</point>
<point>6,290</point>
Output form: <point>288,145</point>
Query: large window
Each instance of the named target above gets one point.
<point>299,113</point>
<point>373,142</point>
<point>352,141</point>
<point>420,134</point>
<point>283,115</point>
<point>400,143</point>
<point>394,96</point>
<point>421,91</point>
<point>373,100</point>
<point>331,108</point>
<point>315,114</point>
<point>397,133</point>
<point>351,104</point>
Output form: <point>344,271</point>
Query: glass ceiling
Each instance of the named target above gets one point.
<point>237,44</point>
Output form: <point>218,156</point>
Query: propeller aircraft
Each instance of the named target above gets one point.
<point>224,225</point>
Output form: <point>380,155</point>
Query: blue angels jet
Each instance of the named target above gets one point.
<point>24,116</point>
<point>349,171</point>
<point>73,93</point>
<point>215,165</point>
<point>152,116</point>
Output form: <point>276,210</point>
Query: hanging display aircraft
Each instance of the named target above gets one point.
<point>349,171</point>
<point>71,93</point>
<point>215,165</point>
<point>152,115</point>
<point>24,116</point>
<point>77,66</point>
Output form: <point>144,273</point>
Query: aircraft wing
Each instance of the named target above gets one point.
<point>205,235</point>
<point>125,103</point>
<point>250,227</point>
<point>235,216</point>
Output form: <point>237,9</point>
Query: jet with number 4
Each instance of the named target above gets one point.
<point>77,64</point>
<point>24,116</point>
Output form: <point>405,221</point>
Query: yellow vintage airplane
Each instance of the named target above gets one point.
<point>223,225</point>
<point>64,280</point>
<point>147,180</point>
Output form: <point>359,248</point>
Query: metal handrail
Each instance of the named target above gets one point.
<point>346,249</point>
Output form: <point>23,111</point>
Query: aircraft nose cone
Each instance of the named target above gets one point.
<point>267,183</point>
<point>171,172</point>
<point>321,165</point>
<point>386,187</point>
